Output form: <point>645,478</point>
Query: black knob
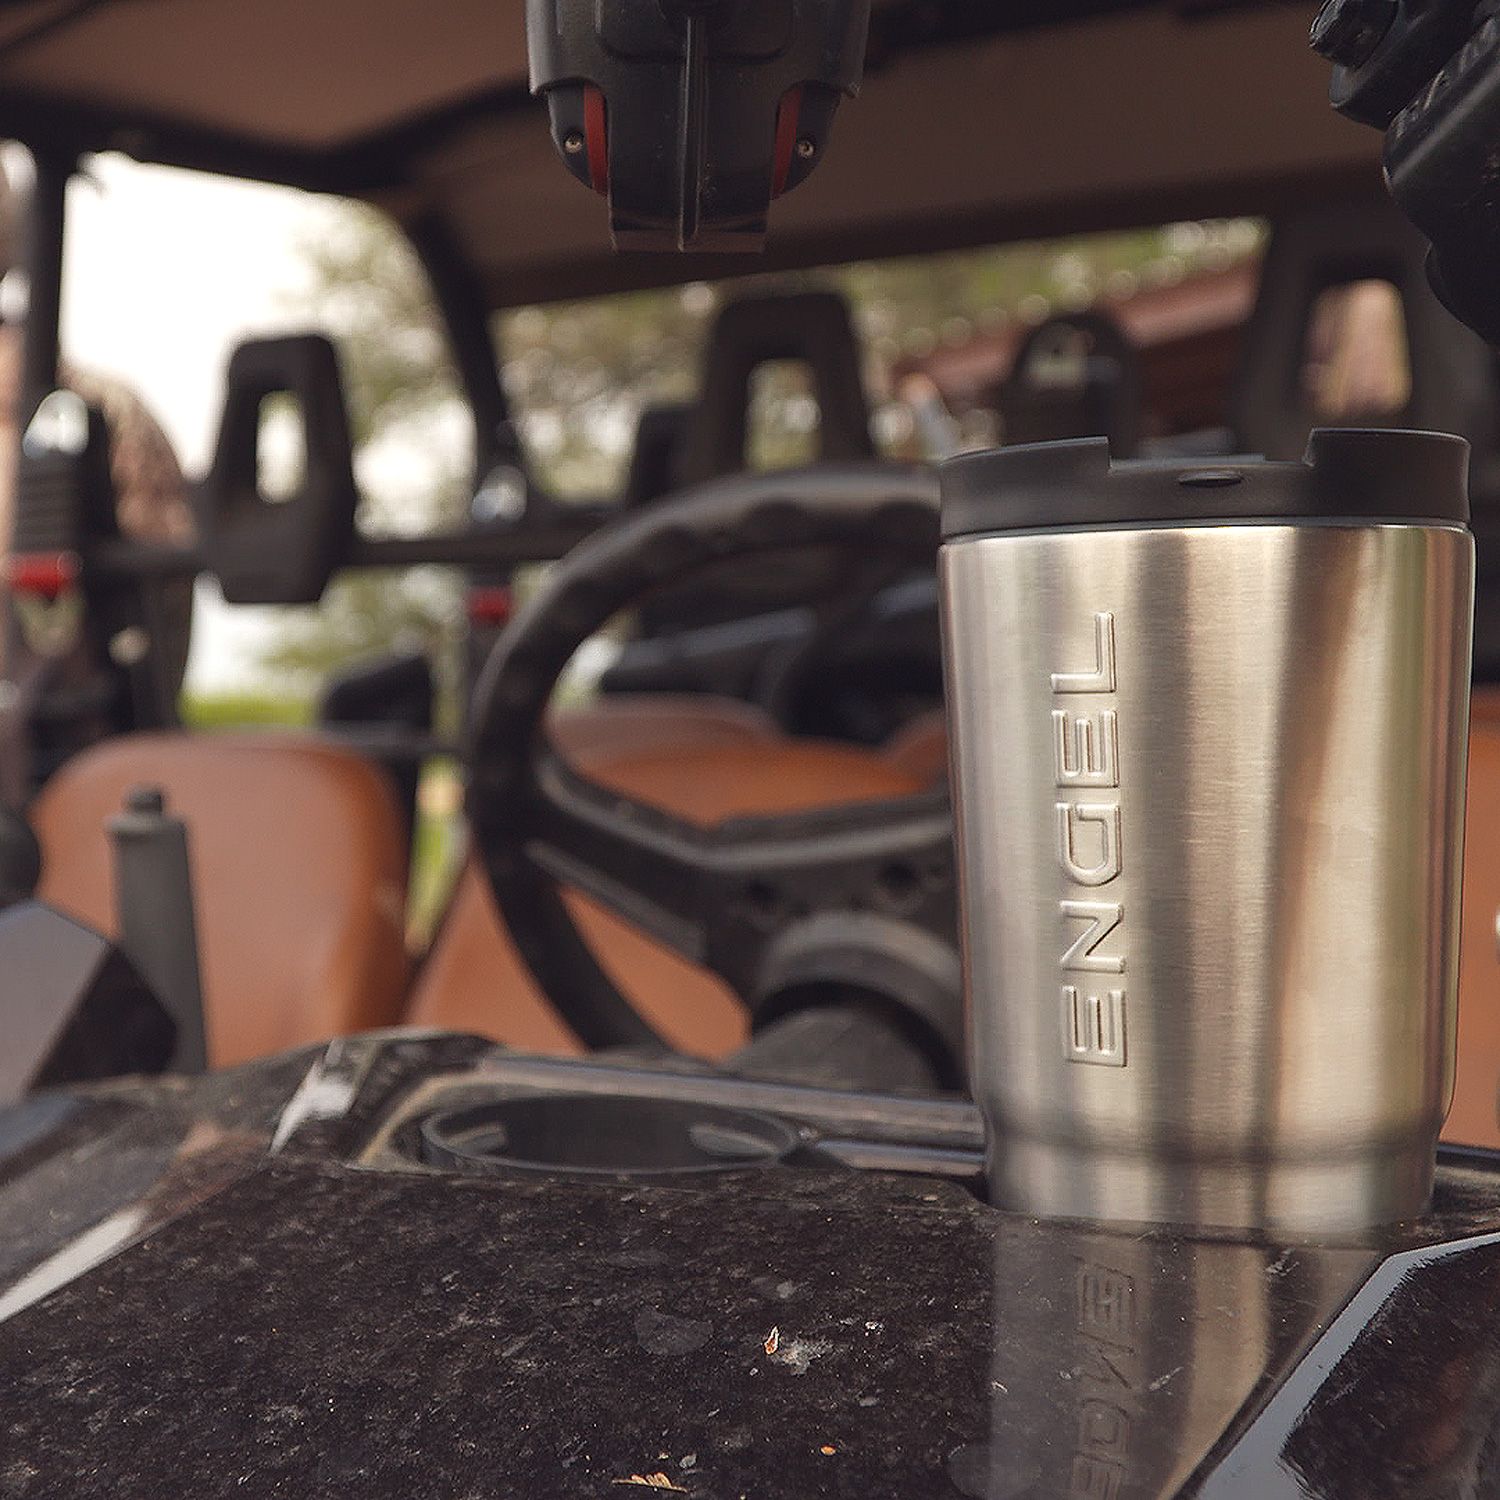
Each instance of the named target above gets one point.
<point>1347,32</point>
<point>20,858</point>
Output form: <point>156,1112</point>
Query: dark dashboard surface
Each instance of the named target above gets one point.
<point>334,1318</point>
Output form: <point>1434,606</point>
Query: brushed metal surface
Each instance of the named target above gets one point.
<point>1209,783</point>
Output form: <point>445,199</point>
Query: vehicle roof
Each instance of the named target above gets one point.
<point>977,122</point>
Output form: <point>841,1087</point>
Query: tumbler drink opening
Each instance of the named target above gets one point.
<point>1208,735</point>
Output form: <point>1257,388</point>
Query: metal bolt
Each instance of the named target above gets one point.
<point>145,799</point>
<point>807,148</point>
<point>1347,32</point>
<point>130,646</point>
<point>573,142</point>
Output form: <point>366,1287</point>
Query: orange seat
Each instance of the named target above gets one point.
<point>1475,1115</point>
<point>475,981</point>
<point>299,876</point>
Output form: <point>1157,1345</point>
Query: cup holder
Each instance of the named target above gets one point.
<point>592,1135</point>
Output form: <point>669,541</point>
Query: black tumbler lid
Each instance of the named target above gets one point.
<point>1369,474</point>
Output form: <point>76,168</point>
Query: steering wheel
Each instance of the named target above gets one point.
<point>858,897</point>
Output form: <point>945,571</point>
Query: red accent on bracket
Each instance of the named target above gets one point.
<point>787,115</point>
<point>491,606</point>
<point>596,135</point>
<point>44,575</point>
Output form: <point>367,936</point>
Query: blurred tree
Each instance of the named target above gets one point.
<point>578,374</point>
<point>365,288</point>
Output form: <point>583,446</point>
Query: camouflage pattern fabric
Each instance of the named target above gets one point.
<point>151,505</point>
<point>150,495</point>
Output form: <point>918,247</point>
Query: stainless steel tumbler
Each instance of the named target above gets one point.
<point>1208,735</point>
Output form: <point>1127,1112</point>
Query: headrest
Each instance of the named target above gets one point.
<point>1342,245</point>
<point>812,328</point>
<point>1077,375</point>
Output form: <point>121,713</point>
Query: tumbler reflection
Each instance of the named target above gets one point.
<point>1147,1366</point>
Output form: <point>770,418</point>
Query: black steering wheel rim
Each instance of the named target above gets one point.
<point>526,804</point>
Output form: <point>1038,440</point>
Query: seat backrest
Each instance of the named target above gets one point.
<point>812,329</point>
<point>299,876</point>
<point>1077,375</point>
<point>1338,245</point>
<point>703,765</point>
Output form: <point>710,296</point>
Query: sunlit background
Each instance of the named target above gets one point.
<point>167,270</point>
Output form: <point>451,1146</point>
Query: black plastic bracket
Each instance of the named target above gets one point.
<point>282,551</point>
<point>692,115</point>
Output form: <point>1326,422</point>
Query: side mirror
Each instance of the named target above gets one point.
<point>74,1008</point>
<point>692,115</point>
<point>270,542</point>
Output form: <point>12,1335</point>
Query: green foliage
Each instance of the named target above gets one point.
<point>242,710</point>
<point>578,375</point>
